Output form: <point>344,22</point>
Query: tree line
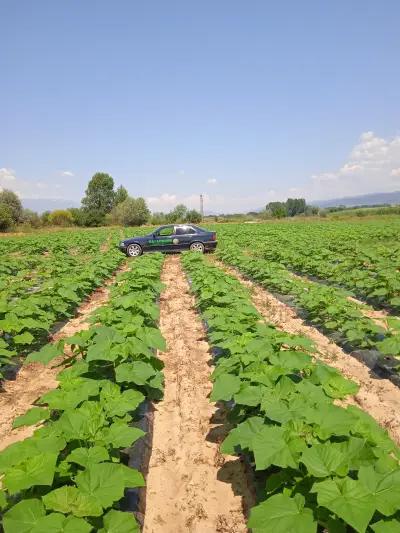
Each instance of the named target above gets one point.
<point>291,208</point>
<point>101,205</point>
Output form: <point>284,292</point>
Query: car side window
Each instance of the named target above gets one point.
<point>181,231</point>
<point>190,230</point>
<point>165,231</point>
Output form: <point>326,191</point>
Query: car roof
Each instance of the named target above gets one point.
<point>188,224</point>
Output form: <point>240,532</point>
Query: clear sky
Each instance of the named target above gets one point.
<point>243,101</point>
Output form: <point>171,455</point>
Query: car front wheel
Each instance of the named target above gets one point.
<point>197,247</point>
<point>134,250</point>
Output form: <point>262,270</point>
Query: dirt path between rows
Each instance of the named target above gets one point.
<point>378,397</point>
<point>35,379</point>
<point>191,487</point>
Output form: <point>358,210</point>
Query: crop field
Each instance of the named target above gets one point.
<point>254,389</point>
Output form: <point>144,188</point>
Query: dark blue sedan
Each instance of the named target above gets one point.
<point>171,238</point>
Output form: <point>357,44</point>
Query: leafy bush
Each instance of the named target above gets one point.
<point>132,212</point>
<point>193,216</point>
<point>6,218</point>
<point>60,217</point>
<point>11,200</point>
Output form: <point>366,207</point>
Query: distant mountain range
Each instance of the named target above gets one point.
<point>364,199</point>
<point>43,204</point>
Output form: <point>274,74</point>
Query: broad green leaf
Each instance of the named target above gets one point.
<point>331,420</point>
<point>28,448</point>
<point>69,499</point>
<point>116,403</point>
<point>88,456</point>
<point>105,482</point>
<point>23,338</point>
<point>282,514</point>
<point>384,487</point>
<point>249,395</point>
<point>386,526</point>
<point>31,417</point>
<point>137,372</point>
<point>52,523</point>
<point>119,522</point>
<point>271,448</point>
<point>45,355</point>
<point>225,387</point>
<point>72,524</point>
<point>242,435</point>
<point>23,517</point>
<point>339,387</point>
<point>57,523</point>
<point>102,351</point>
<point>322,460</point>
<point>132,477</point>
<point>348,499</point>
<point>390,346</point>
<point>75,370</point>
<point>119,435</point>
<point>37,470</point>
<point>68,294</point>
<point>69,397</point>
<point>152,337</point>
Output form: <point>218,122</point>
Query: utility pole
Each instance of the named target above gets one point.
<point>201,206</point>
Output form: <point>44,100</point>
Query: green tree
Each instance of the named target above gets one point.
<point>45,217</point>
<point>295,206</point>
<point>178,214</point>
<point>10,199</point>
<point>99,199</point>
<point>121,194</point>
<point>277,209</point>
<point>78,216</point>
<point>60,217</point>
<point>132,212</point>
<point>158,219</point>
<point>30,218</point>
<point>6,218</point>
<point>193,216</point>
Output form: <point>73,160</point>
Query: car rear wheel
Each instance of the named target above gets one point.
<point>134,250</point>
<point>197,247</point>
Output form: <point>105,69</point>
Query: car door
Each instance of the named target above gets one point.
<point>183,237</point>
<point>162,239</point>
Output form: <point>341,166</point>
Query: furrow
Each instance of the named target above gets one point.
<point>189,482</point>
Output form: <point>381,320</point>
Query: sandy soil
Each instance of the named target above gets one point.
<point>191,487</point>
<point>35,379</point>
<point>379,397</point>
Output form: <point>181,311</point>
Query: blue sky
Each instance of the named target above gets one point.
<point>245,102</point>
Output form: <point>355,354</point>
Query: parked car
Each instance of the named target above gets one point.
<point>171,238</point>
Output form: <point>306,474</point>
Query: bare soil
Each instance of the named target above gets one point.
<point>191,487</point>
<point>34,379</point>
<point>378,397</point>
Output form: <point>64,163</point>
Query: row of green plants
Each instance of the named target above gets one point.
<point>37,260</point>
<point>361,257</point>
<point>318,466</point>
<point>327,307</point>
<point>71,475</point>
<point>38,295</point>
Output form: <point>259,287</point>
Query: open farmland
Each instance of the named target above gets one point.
<point>254,388</point>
